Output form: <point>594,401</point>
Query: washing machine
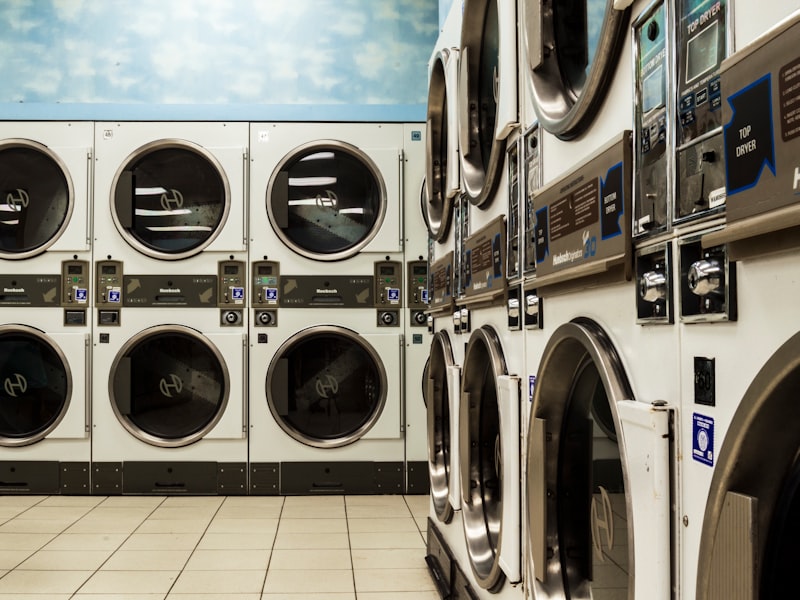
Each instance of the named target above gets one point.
<point>45,174</point>
<point>328,196</point>
<point>739,338</point>
<point>487,91</point>
<point>416,335</point>
<point>599,461</point>
<point>442,166</point>
<point>326,384</point>
<point>169,380</point>
<point>170,194</point>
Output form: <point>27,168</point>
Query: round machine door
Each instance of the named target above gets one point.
<point>440,439</point>
<point>571,52</point>
<point>436,206</point>
<point>170,199</point>
<point>326,386</point>
<point>750,537</point>
<point>576,502</point>
<point>169,386</point>
<point>481,151</point>
<point>36,385</point>
<point>326,200</point>
<point>482,451</point>
<point>37,198</point>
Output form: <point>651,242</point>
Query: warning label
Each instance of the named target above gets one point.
<point>703,439</point>
<point>789,86</point>
<point>575,211</point>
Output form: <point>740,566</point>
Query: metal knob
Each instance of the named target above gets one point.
<point>653,286</point>
<point>420,318</point>
<point>231,317</point>
<point>532,304</point>
<point>387,318</point>
<point>705,277</point>
<point>265,318</point>
<point>513,308</point>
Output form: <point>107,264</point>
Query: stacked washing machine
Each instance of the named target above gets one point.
<point>327,270</point>
<point>474,381</point>
<point>45,325</point>
<point>170,323</point>
<point>738,285</point>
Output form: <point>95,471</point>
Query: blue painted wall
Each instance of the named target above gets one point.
<point>229,59</point>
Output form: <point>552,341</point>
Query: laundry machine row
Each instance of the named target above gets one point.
<point>642,245</point>
<point>126,357</point>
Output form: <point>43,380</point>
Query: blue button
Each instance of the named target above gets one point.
<point>81,295</point>
<point>114,296</point>
<point>237,293</point>
<point>272,294</point>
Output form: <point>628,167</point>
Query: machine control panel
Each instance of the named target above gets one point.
<point>39,291</point>
<point>388,284</point>
<point>654,297</point>
<point>703,32</point>
<point>231,276</point>
<point>513,250</point>
<point>483,255</point>
<point>332,291</point>
<point>533,182</point>
<point>417,277</point>
<point>652,121</point>
<point>108,292</point>
<point>442,282</point>
<point>74,283</point>
<point>266,278</point>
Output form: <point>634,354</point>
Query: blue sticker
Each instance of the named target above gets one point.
<point>703,439</point>
<point>81,295</point>
<point>424,296</point>
<point>531,387</point>
<point>237,294</point>
<point>393,294</point>
<point>272,294</point>
<point>114,296</point>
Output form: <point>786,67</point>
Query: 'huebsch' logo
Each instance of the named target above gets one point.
<point>331,386</point>
<point>331,200</point>
<point>172,202</point>
<point>173,386</point>
<point>18,202</point>
<point>15,385</point>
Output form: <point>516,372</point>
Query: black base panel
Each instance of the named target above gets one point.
<point>264,479</point>
<point>298,478</point>
<point>232,479</point>
<point>107,478</point>
<point>417,478</point>
<point>461,587</point>
<point>440,561</point>
<point>43,477</point>
<point>170,478</point>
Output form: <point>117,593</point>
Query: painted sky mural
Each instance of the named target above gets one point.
<point>216,51</point>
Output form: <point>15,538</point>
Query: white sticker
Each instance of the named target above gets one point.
<point>263,136</point>
<point>716,197</point>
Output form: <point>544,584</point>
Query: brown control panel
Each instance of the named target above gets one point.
<point>388,284</point>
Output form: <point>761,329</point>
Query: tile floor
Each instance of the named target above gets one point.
<point>214,548</point>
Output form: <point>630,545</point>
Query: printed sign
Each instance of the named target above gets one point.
<point>271,294</point>
<point>393,295</point>
<point>115,295</point>
<point>531,387</point>
<point>237,294</point>
<point>81,295</point>
<point>703,439</point>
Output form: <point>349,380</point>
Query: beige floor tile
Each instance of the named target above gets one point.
<point>183,512</point>
<point>9,559</point>
<point>244,512</point>
<point>298,582</point>
<point>147,560</point>
<point>38,596</point>
<point>21,500</point>
<point>331,511</point>
<point>312,526</point>
<point>173,526</point>
<point>193,501</point>
<point>310,559</point>
<point>219,582</point>
<point>380,525</point>
<point>133,582</point>
<point>113,513</point>
<point>9,512</point>
<point>228,560</point>
<point>161,541</point>
<point>42,582</point>
<point>24,541</point>
<point>236,541</point>
<point>313,501</point>
<point>267,526</point>
<point>66,560</point>
<point>88,524</point>
<point>112,596</point>
<point>134,501</point>
<point>418,505</point>
<point>393,501</point>
<point>67,513</point>
<point>254,501</point>
<point>296,541</point>
<point>254,596</point>
<point>89,501</point>
<point>378,512</point>
<point>386,540</point>
<point>86,541</point>
<point>418,595</point>
<point>310,596</point>
<point>33,526</point>
<point>393,558</point>
<point>422,523</point>
<point>393,580</point>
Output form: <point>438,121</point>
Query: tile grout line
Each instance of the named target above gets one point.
<point>272,546</point>
<point>350,548</point>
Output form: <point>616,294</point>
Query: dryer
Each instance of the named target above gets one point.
<point>327,196</point>
<point>598,437</point>
<point>442,166</point>
<point>326,384</point>
<point>169,381</point>
<point>45,251</point>
<point>168,192</point>
<point>739,338</point>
